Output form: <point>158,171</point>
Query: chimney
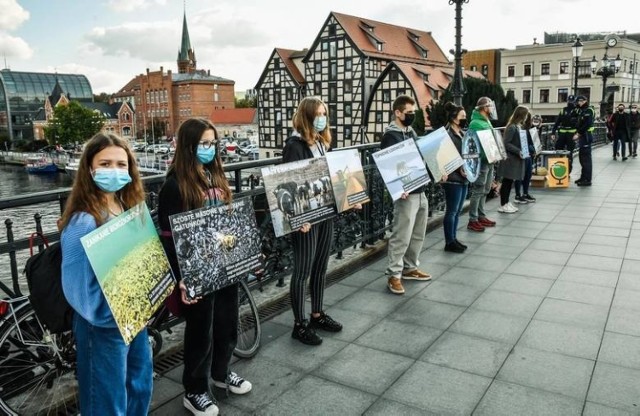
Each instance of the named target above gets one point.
<point>161,70</point>
<point>208,72</point>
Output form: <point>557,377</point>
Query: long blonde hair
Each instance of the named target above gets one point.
<point>303,121</point>
<point>85,194</point>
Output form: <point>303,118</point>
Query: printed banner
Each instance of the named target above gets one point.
<point>216,246</point>
<point>535,139</point>
<point>558,172</point>
<point>471,155</point>
<point>347,178</point>
<point>439,153</point>
<point>131,267</point>
<point>401,168</point>
<point>298,192</point>
<point>489,145</point>
<point>524,143</point>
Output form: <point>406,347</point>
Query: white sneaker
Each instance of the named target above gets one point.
<point>513,207</point>
<point>235,383</point>
<point>200,404</point>
<point>506,209</point>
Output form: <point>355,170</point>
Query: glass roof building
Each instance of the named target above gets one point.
<point>23,94</point>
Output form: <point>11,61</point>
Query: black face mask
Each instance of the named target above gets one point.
<point>462,123</point>
<point>620,110</point>
<point>408,120</point>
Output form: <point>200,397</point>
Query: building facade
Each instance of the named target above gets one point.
<point>542,76</point>
<point>486,61</point>
<point>357,66</point>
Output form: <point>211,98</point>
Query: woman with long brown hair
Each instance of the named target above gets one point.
<point>311,244</point>
<point>113,378</point>
<point>196,179</point>
<point>512,168</point>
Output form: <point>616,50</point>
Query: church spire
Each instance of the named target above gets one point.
<point>186,54</point>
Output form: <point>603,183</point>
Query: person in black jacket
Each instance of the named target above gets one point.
<point>584,137</point>
<point>455,185</point>
<point>311,243</point>
<point>196,179</point>
<point>409,212</point>
<point>565,125</point>
<point>620,130</point>
<point>634,125</point>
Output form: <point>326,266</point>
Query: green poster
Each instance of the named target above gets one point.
<point>131,267</point>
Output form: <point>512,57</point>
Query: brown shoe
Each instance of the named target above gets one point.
<point>486,222</point>
<point>395,285</point>
<point>416,275</point>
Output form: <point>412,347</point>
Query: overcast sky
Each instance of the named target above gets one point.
<point>110,41</point>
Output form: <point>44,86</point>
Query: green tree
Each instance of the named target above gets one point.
<point>73,123</point>
<point>418,123</point>
<point>246,102</point>
<point>103,97</point>
<point>476,88</point>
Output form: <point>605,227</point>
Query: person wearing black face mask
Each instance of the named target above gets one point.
<point>634,124</point>
<point>619,123</point>
<point>410,211</point>
<point>455,186</point>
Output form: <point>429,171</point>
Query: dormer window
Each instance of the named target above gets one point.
<point>367,26</point>
<point>425,77</point>
<point>379,46</point>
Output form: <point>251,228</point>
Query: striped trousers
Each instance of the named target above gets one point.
<point>310,259</point>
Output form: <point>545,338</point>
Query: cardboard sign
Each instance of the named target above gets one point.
<point>558,172</point>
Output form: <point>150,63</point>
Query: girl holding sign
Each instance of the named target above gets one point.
<point>512,168</point>
<point>113,378</point>
<point>311,244</point>
<point>196,179</point>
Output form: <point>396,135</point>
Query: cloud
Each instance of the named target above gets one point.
<point>14,47</point>
<point>101,80</point>
<point>131,5</point>
<point>12,16</point>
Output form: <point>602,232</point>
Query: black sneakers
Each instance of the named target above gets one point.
<point>464,246</point>
<point>326,323</point>
<point>454,247</point>
<point>529,198</point>
<point>304,333</point>
<point>235,384</point>
<point>200,404</point>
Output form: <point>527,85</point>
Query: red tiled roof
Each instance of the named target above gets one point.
<point>234,116</point>
<point>398,42</point>
<point>287,55</point>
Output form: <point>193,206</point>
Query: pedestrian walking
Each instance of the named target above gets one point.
<point>634,124</point>
<point>113,378</point>
<point>194,180</point>
<point>620,126</point>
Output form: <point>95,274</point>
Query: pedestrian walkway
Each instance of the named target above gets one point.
<point>540,316</point>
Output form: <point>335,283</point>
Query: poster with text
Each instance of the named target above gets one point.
<point>489,145</point>
<point>535,139</point>
<point>471,155</point>
<point>439,153</point>
<point>132,269</point>
<point>216,246</point>
<point>401,168</point>
<point>524,143</point>
<point>298,192</point>
<point>497,135</point>
<point>347,178</point>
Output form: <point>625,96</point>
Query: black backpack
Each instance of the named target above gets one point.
<point>44,277</point>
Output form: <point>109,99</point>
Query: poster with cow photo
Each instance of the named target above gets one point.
<point>298,192</point>
<point>347,178</point>
<point>401,168</point>
<point>216,246</point>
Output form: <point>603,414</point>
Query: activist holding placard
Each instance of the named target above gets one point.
<point>113,377</point>
<point>194,180</point>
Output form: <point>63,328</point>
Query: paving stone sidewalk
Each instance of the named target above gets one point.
<point>540,316</point>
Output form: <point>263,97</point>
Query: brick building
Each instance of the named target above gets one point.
<point>486,61</point>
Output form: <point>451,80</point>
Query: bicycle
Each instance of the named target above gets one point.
<point>37,368</point>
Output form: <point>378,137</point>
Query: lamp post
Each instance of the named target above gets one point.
<point>608,68</point>
<point>576,49</point>
<point>458,89</point>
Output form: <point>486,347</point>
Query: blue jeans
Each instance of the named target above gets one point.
<point>455,194</point>
<point>113,378</point>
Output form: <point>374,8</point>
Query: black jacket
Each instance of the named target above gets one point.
<point>295,148</point>
<point>456,176</point>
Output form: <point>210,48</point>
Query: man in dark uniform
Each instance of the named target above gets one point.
<point>565,125</point>
<point>584,139</point>
<point>621,131</point>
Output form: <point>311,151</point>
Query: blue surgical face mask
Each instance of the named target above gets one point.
<point>205,155</point>
<point>111,179</point>
<point>320,123</point>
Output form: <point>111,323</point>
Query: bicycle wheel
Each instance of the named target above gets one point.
<point>249,330</point>
<point>37,370</point>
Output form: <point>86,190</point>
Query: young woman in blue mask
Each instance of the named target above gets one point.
<point>311,244</point>
<point>113,378</point>
<point>196,179</point>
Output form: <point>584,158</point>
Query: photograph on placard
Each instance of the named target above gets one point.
<point>439,153</point>
<point>347,178</point>
<point>402,168</point>
<point>524,144</point>
<point>471,155</point>
<point>497,135</point>
<point>489,145</point>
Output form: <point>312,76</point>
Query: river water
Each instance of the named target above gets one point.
<point>14,180</point>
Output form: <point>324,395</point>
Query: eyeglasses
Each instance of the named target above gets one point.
<point>208,143</point>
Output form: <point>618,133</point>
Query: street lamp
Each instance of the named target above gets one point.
<point>458,89</point>
<point>576,49</point>
<point>608,68</point>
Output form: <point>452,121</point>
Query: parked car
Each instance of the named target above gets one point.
<point>138,147</point>
<point>248,150</point>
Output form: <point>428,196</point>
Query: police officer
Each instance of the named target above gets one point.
<point>584,138</point>
<point>565,125</point>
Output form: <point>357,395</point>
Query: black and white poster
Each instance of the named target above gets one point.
<point>216,246</point>
<point>298,192</point>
